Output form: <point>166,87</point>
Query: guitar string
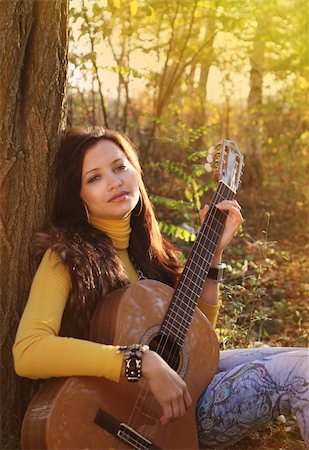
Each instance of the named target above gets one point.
<point>203,240</point>
<point>191,285</point>
<point>218,225</point>
<point>207,238</point>
<point>209,225</point>
<point>200,272</point>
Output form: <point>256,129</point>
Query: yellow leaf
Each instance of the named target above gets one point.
<point>188,195</point>
<point>133,7</point>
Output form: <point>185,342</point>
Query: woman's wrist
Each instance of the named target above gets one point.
<point>132,360</point>
<point>217,259</point>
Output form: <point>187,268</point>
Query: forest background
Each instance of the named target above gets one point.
<point>176,77</point>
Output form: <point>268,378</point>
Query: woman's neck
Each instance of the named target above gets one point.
<point>118,230</point>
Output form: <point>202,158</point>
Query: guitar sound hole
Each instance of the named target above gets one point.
<point>167,349</point>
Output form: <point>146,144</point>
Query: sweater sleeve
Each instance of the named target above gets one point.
<point>210,311</point>
<point>38,351</point>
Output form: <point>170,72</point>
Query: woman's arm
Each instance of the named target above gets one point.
<point>209,299</point>
<point>40,353</point>
<point>38,350</point>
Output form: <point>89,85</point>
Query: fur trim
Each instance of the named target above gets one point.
<point>94,267</point>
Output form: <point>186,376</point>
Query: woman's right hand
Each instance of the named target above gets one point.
<point>167,387</point>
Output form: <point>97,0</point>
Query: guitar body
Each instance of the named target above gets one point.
<point>62,414</point>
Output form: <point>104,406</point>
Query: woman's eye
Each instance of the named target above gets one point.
<point>94,178</point>
<point>120,168</point>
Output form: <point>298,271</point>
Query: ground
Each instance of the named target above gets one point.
<point>270,263</point>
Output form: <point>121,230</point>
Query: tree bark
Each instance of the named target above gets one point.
<point>253,176</point>
<point>33,63</point>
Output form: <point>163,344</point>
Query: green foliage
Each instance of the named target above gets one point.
<point>256,305</point>
<point>190,184</point>
<point>169,47</point>
<point>178,205</point>
<point>244,293</point>
<point>155,59</point>
<point>177,232</point>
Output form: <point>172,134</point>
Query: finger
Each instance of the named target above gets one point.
<point>167,414</point>
<point>231,208</point>
<point>236,204</point>
<point>203,212</point>
<point>181,408</point>
<point>225,204</point>
<point>235,217</point>
<point>177,407</point>
<point>187,399</point>
<point>184,403</point>
<point>235,211</point>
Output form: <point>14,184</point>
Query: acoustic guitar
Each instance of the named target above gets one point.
<point>95,413</point>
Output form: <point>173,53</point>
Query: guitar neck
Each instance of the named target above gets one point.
<point>187,293</point>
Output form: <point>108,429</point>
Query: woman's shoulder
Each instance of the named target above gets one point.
<point>51,257</point>
<point>58,243</point>
<point>51,269</point>
<point>50,249</point>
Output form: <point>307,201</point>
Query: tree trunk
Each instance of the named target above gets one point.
<point>33,52</point>
<point>253,176</point>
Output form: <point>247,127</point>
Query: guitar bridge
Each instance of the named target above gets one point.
<point>122,431</point>
<point>132,437</point>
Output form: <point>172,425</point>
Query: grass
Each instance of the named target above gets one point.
<point>265,300</point>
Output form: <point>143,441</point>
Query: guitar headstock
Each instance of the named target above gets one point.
<point>227,162</point>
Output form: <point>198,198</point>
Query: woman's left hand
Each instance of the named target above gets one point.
<point>233,222</point>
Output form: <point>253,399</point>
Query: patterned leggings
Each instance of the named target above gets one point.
<point>251,388</point>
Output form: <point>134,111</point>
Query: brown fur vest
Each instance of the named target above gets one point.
<point>94,268</point>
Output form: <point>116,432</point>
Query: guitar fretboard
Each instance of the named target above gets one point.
<point>187,293</point>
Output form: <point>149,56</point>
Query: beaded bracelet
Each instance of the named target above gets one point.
<point>133,360</point>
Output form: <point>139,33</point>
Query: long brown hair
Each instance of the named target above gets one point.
<point>149,250</point>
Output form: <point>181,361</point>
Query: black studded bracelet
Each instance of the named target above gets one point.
<point>133,360</point>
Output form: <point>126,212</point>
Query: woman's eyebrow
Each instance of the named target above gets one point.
<point>97,168</point>
<point>92,170</point>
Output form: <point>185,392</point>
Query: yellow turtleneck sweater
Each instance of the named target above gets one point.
<point>38,350</point>
<point>119,232</point>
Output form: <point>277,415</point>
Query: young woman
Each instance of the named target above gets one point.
<point>104,234</point>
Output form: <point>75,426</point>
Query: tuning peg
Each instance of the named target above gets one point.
<point>211,150</point>
<point>210,158</point>
<point>208,167</point>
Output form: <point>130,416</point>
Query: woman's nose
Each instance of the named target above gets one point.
<point>115,181</point>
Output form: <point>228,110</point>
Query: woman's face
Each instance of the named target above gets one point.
<point>109,184</point>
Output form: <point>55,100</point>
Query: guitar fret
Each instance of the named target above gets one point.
<point>178,321</point>
<point>183,313</point>
<point>197,270</point>
<point>176,326</point>
<point>177,335</point>
<point>196,274</point>
<point>194,271</point>
<point>189,297</point>
<point>181,317</point>
<point>184,304</point>
<point>174,332</point>
<point>179,314</point>
<point>216,234</point>
<point>217,221</point>
<point>186,310</point>
<point>201,257</point>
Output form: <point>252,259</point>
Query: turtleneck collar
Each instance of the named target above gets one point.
<point>118,230</point>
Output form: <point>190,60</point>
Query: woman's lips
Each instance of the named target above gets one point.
<point>119,197</point>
